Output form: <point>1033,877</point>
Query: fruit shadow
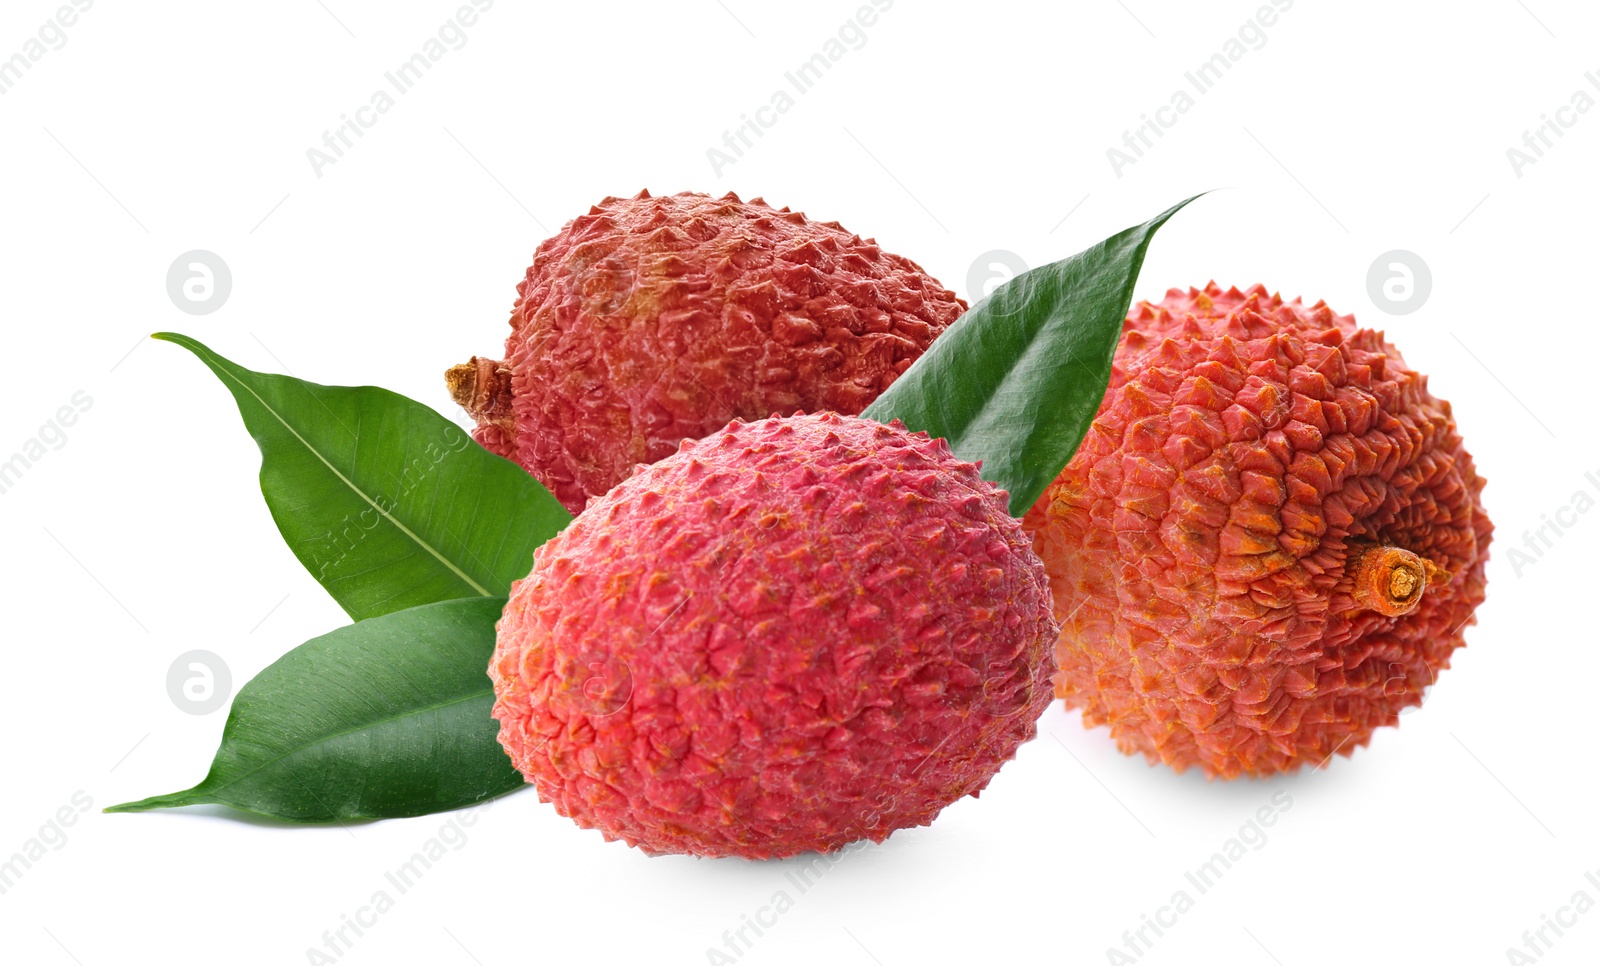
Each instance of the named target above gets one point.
<point>803,869</point>
<point>1143,787</point>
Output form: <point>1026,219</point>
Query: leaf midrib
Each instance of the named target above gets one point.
<point>1037,334</point>
<point>466,578</point>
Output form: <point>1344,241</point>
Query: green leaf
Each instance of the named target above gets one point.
<point>1016,381</point>
<point>384,718</point>
<point>386,502</point>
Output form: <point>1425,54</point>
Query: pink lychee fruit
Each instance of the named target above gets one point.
<point>649,321</point>
<point>785,637</point>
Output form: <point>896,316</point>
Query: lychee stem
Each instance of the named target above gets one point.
<point>1392,580</point>
<point>483,388</point>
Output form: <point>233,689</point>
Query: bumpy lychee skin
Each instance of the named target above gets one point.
<point>787,636</point>
<point>1269,543</point>
<point>652,320</point>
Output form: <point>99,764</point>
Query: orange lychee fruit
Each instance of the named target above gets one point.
<point>1269,543</point>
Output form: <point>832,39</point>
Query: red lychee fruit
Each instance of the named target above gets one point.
<point>652,320</point>
<point>1269,542</point>
<point>785,637</point>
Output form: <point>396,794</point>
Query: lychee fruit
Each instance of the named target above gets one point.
<point>652,320</point>
<point>787,636</point>
<point>1269,542</point>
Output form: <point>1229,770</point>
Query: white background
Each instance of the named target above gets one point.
<point>1358,128</point>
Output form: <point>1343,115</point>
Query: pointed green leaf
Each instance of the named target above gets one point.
<point>383,718</point>
<point>1016,381</point>
<point>386,502</point>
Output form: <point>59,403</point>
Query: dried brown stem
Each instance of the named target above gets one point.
<point>1391,580</point>
<point>483,388</point>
